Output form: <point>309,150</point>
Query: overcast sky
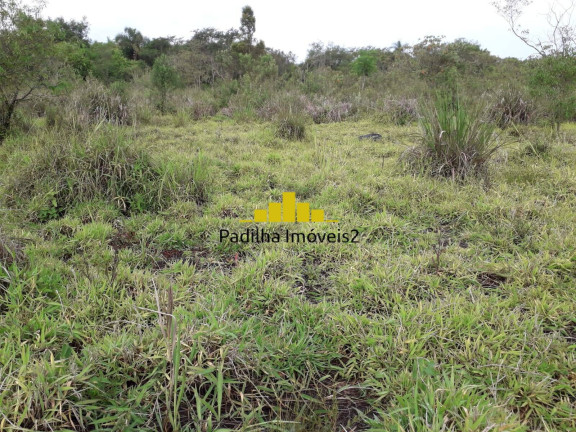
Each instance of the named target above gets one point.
<point>294,25</point>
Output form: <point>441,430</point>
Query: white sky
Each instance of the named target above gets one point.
<point>293,25</point>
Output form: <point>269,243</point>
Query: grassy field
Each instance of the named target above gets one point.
<point>122,310</point>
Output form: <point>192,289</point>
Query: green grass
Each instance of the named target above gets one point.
<point>456,139</point>
<point>455,312</point>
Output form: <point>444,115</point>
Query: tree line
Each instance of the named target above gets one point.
<point>41,54</point>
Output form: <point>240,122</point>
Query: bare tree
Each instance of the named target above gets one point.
<point>561,37</point>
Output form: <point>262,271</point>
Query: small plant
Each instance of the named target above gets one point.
<point>538,144</point>
<point>291,126</point>
<point>455,139</point>
<point>181,119</point>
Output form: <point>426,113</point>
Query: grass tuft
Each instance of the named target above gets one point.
<point>455,140</point>
<point>291,126</point>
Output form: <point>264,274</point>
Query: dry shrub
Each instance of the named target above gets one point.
<point>511,106</point>
<point>327,110</point>
<point>401,111</point>
<point>196,103</point>
<point>291,125</point>
<point>201,107</point>
<point>319,109</point>
<point>281,104</point>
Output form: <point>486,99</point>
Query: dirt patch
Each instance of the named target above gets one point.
<point>172,254</point>
<point>314,281</point>
<point>491,280</point>
<point>201,258</point>
<point>351,403</point>
<point>11,251</point>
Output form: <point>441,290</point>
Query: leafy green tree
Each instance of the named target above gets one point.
<point>207,57</point>
<point>442,64</point>
<point>364,65</point>
<point>28,58</point>
<point>164,79</point>
<point>332,56</point>
<point>152,49</point>
<point>552,80</point>
<point>248,24</point>
<point>72,31</point>
<point>130,42</point>
<point>72,44</point>
<point>109,64</point>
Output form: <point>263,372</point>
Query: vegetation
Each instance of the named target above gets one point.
<point>28,59</point>
<point>456,139</point>
<point>164,78</point>
<point>121,163</point>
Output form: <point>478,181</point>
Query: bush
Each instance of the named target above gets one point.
<point>455,139</point>
<point>105,165</point>
<point>511,107</point>
<point>326,110</point>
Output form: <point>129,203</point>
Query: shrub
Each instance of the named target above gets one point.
<point>164,78</point>
<point>401,111</point>
<point>455,139</point>
<point>511,107</point>
<point>326,110</point>
<point>54,117</point>
<point>181,119</point>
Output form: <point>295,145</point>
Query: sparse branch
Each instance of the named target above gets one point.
<point>560,41</point>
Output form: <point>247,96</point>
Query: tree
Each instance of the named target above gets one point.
<point>561,39</point>
<point>73,44</point>
<point>130,42</point>
<point>109,64</point>
<point>364,65</point>
<point>441,63</point>
<point>164,78</point>
<point>28,59</point>
<point>552,76</point>
<point>248,24</point>
<point>333,56</point>
<point>70,31</point>
<point>152,49</point>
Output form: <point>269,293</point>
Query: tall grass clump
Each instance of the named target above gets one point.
<point>65,170</point>
<point>456,139</point>
<point>94,103</point>
<point>291,125</point>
